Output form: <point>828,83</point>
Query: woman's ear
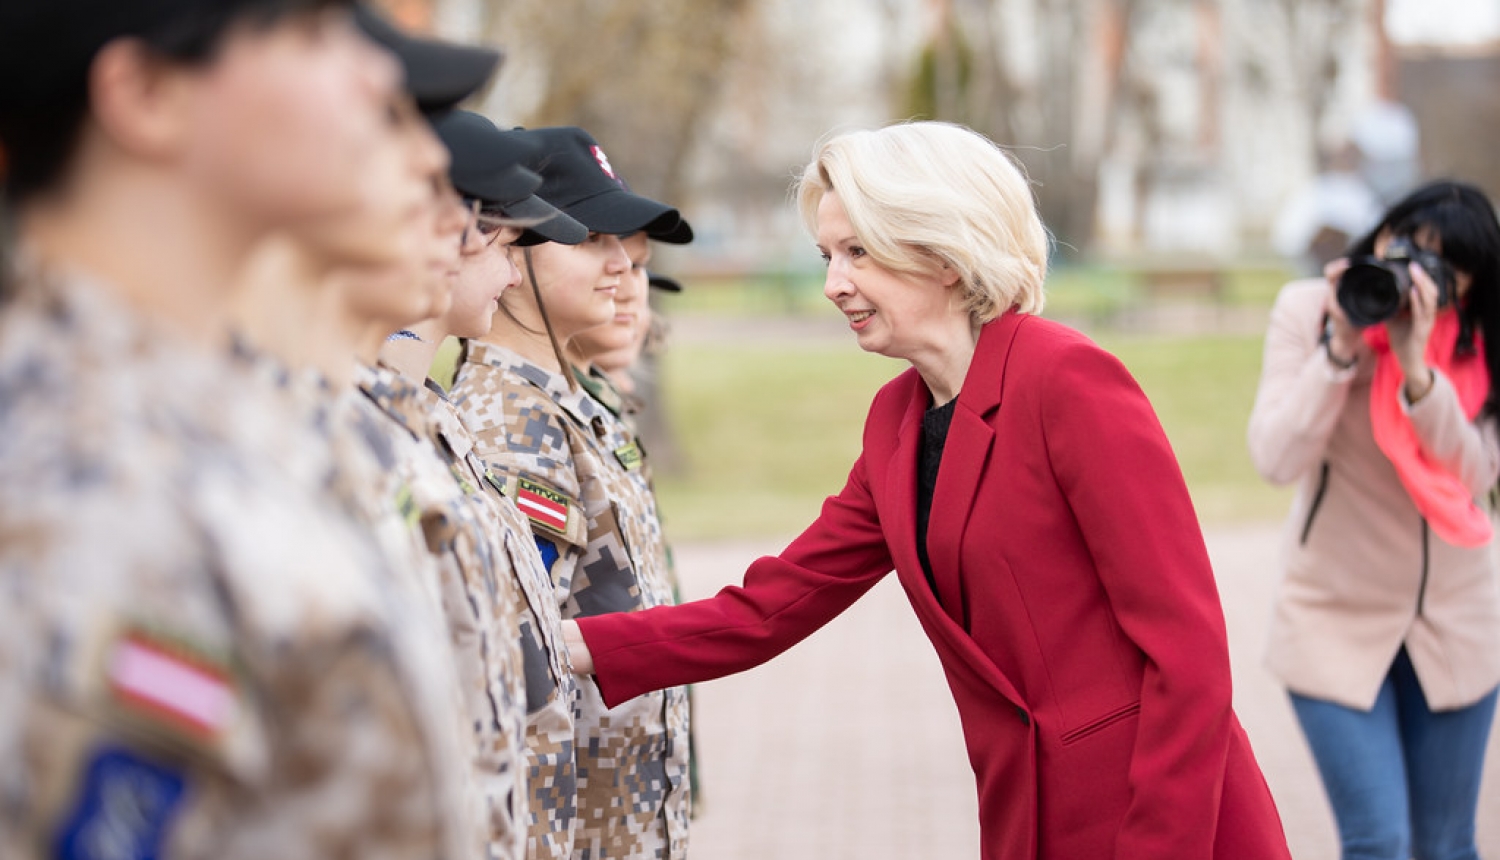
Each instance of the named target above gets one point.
<point>948,275</point>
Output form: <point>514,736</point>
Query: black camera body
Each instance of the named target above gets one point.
<point>1374,289</point>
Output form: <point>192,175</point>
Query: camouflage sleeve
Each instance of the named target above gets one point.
<point>191,703</point>
<point>522,437</point>
<point>352,770</point>
<point>358,690</point>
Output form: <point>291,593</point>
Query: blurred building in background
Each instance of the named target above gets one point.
<point>1154,129</point>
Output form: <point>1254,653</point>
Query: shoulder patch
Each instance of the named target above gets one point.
<point>545,507</point>
<point>170,682</point>
<point>124,809</point>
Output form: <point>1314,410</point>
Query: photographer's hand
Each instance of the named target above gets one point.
<point>1410,331</point>
<point>1344,342</point>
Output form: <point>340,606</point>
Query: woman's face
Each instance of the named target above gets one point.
<point>891,313</point>
<point>485,272</point>
<point>578,282</point>
<point>288,121</point>
<point>617,343</point>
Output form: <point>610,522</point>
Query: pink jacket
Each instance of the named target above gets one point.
<point>1363,572</point>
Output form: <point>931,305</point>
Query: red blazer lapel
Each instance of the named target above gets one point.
<point>966,461</point>
<point>900,515</point>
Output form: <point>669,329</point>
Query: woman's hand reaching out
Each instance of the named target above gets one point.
<point>578,650</point>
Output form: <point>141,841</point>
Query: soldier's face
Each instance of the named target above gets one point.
<point>617,343</point>
<point>417,215</point>
<point>390,223</point>
<point>287,121</point>
<point>486,271</point>
<point>579,282</point>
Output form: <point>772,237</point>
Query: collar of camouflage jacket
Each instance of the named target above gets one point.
<point>579,404</point>
<point>396,396</point>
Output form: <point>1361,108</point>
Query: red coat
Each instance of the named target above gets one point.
<point>1093,682</point>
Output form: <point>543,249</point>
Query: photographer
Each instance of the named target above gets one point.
<point>1376,394</point>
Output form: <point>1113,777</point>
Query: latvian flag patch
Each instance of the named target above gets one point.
<point>545,507</point>
<point>170,684</point>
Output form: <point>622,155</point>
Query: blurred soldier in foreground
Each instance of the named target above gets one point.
<point>322,302</point>
<point>201,655</point>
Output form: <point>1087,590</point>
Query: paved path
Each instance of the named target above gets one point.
<point>848,746</point>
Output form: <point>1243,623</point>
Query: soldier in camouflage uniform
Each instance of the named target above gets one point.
<point>201,657</point>
<point>606,359</point>
<point>400,477</point>
<point>486,169</point>
<point>476,564</point>
<point>574,470</point>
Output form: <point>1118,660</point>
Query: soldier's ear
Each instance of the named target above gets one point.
<point>141,103</point>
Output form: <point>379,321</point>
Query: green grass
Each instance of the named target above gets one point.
<point>769,432</point>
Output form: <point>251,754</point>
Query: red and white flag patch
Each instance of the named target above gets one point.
<point>166,683</point>
<point>545,507</point>
<point>604,165</point>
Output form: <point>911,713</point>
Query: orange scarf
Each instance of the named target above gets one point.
<point>1441,497</point>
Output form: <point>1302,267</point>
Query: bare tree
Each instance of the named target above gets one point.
<point>641,77</point>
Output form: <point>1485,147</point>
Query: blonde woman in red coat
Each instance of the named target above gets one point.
<point>1021,487</point>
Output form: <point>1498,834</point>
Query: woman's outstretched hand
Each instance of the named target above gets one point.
<point>578,650</point>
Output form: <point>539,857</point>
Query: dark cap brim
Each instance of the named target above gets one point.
<point>680,233</point>
<point>499,189</point>
<point>619,212</point>
<point>546,223</point>
<point>662,282</point>
<point>439,74</point>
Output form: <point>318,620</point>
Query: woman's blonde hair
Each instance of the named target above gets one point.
<point>921,195</point>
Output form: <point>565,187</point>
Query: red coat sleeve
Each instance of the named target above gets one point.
<point>1123,484</point>
<point>783,600</point>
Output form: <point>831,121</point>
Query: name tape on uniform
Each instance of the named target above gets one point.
<point>629,456</point>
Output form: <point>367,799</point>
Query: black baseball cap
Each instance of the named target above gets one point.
<point>439,74</point>
<point>662,282</point>
<point>489,165</point>
<point>48,46</point>
<point>578,179</point>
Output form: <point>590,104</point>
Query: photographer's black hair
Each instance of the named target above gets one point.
<point>1464,220</point>
<point>39,142</point>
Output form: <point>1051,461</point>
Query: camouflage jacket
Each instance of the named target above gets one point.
<point>574,470</point>
<point>476,575</point>
<point>201,656</point>
<point>551,779</point>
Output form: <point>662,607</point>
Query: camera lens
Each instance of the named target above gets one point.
<point>1369,294</point>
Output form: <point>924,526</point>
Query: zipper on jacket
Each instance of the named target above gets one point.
<point>1422,589</point>
<point>1317,501</point>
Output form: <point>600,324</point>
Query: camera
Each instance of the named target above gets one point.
<point>1374,289</point>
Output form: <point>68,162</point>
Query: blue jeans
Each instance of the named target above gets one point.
<point>1403,781</point>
